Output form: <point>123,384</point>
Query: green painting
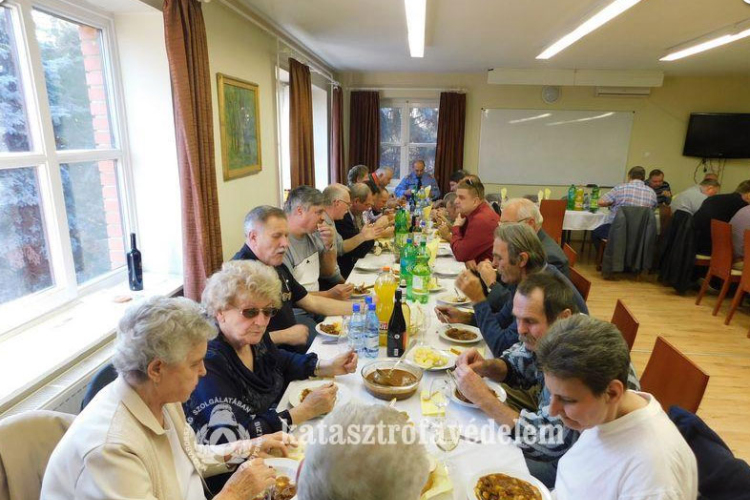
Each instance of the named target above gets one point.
<point>240,127</point>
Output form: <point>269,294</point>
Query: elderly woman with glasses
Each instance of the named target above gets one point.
<point>247,373</point>
<point>132,440</point>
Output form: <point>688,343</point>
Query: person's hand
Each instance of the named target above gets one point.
<point>370,232</point>
<point>248,481</point>
<point>487,272</point>
<point>470,285</point>
<point>667,193</point>
<point>460,220</point>
<point>340,365</point>
<point>449,314</point>
<point>444,231</point>
<point>326,234</point>
<point>276,444</point>
<point>341,291</point>
<point>294,335</point>
<point>471,358</point>
<point>471,385</point>
<point>382,222</point>
<point>320,401</point>
<point>471,264</point>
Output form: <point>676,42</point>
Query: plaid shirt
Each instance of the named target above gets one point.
<point>629,194</point>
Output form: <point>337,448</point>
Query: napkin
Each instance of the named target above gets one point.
<point>458,350</point>
<point>504,193</point>
<point>540,196</point>
<point>441,483</point>
<point>547,193</point>
<point>429,408</point>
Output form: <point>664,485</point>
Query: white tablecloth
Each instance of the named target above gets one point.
<point>468,457</point>
<point>583,220</point>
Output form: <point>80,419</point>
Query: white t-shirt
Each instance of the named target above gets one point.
<point>190,482</point>
<point>641,456</point>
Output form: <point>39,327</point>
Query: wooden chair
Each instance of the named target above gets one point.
<point>553,212</point>
<point>722,258</point>
<point>570,254</point>
<point>624,320</point>
<point>582,284</point>
<point>744,282</point>
<point>673,378</point>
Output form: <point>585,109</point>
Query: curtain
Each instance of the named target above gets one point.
<point>449,155</point>
<point>187,52</point>
<point>337,166</point>
<point>301,152</point>
<point>364,129</point>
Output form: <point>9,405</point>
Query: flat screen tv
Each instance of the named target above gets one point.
<point>718,135</point>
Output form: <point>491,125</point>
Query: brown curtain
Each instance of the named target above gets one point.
<point>337,167</point>
<point>449,155</point>
<point>364,129</point>
<point>187,52</point>
<point>301,151</point>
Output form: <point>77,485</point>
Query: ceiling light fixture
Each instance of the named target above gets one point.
<point>416,18</point>
<point>605,15</point>
<point>717,41</point>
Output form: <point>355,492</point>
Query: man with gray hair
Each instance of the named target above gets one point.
<point>393,466</point>
<point>358,173</point>
<point>382,176</point>
<point>692,198</point>
<point>358,236</point>
<point>267,240</point>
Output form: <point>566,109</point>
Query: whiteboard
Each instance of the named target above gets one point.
<point>553,147</point>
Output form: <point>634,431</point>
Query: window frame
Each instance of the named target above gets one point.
<point>44,156</point>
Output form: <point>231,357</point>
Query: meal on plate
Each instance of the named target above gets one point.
<point>458,298</point>
<point>362,289</point>
<point>331,328</point>
<point>459,334</point>
<point>463,398</point>
<point>391,378</point>
<point>304,394</point>
<point>427,357</point>
<point>502,487</point>
<point>285,490</point>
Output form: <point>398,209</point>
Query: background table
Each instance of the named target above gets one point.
<point>583,220</point>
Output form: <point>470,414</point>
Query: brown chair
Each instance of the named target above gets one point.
<point>582,284</point>
<point>570,254</point>
<point>673,378</point>
<point>744,282</point>
<point>624,320</point>
<point>553,212</point>
<point>722,258</point>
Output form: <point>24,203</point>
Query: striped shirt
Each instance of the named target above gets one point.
<point>629,194</point>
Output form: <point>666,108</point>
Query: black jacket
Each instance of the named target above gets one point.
<point>720,207</point>
<point>347,229</point>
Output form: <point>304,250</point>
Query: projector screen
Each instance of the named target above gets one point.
<point>554,148</point>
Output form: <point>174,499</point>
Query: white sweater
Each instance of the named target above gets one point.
<point>639,456</point>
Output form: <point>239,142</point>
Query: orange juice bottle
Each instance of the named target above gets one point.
<point>385,290</point>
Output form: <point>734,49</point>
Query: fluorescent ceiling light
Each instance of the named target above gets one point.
<point>587,119</point>
<point>600,18</point>
<point>416,17</point>
<point>537,117</point>
<point>707,45</point>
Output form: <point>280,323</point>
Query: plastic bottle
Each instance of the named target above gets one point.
<point>594,199</point>
<point>356,330</point>
<point>579,198</point>
<point>385,290</point>
<point>401,230</point>
<point>372,333</point>
<point>571,197</point>
<point>421,276</point>
<point>407,261</point>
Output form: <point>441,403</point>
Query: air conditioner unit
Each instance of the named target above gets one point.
<point>623,91</point>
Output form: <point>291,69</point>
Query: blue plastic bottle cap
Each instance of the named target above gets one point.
<point>355,307</point>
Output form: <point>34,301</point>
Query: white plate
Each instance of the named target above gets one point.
<point>501,395</point>
<point>470,495</point>
<point>450,361</point>
<point>286,467</point>
<point>295,392</point>
<point>368,267</point>
<point>449,299</point>
<point>329,320</point>
<point>438,288</point>
<point>444,252</point>
<point>444,327</point>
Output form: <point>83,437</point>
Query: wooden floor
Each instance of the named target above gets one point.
<point>721,351</point>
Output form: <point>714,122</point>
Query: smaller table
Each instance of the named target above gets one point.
<point>583,220</point>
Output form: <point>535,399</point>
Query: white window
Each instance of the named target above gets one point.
<point>408,132</point>
<point>63,210</point>
<point>320,134</point>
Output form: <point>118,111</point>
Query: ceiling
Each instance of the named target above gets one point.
<point>475,35</point>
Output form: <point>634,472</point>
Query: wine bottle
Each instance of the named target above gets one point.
<point>135,270</point>
<point>397,329</point>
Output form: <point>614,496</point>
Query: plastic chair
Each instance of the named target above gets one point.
<point>722,258</point>
<point>570,254</point>
<point>553,212</point>
<point>744,282</point>
<point>624,320</point>
<point>673,378</point>
<point>581,283</point>
<point>100,380</point>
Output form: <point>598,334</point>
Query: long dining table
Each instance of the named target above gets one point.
<point>474,453</point>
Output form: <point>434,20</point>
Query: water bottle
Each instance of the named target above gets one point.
<point>372,333</point>
<point>356,330</point>
<point>571,197</point>
<point>421,277</point>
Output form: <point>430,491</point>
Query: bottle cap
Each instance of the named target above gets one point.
<point>386,268</point>
<point>368,300</point>
<point>355,307</point>
<point>370,306</point>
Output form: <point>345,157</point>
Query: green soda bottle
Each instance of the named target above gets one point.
<point>421,276</point>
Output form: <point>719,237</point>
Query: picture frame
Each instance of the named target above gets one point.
<point>239,123</point>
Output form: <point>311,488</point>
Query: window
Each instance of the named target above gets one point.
<point>63,214</point>
<point>408,132</point>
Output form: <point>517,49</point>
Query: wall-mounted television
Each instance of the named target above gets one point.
<point>718,135</point>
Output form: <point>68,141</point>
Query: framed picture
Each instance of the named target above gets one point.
<point>239,120</point>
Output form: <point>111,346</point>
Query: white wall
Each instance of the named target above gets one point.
<point>149,113</point>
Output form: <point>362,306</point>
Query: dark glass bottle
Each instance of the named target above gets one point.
<point>397,329</point>
<point>135,270</point>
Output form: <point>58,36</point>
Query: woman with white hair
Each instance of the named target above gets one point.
<point>393,465</point>
<point>246,373</point>
<point>132,440</point>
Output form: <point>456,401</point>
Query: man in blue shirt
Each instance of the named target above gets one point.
<point>416,180</point>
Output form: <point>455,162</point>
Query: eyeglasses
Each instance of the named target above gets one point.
<point>506,222</point>
<point>348,203</point>
<point>252,312</point>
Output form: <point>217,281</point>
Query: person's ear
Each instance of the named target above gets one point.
<point>566,313</point>
<point>523,259</point>
<point>614,392</point>
<point>155,370</point>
